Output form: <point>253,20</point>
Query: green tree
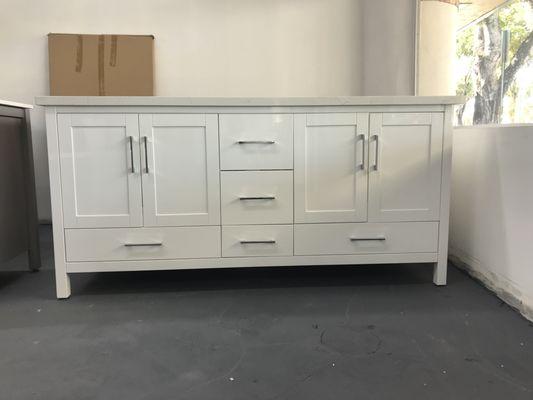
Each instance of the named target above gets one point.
<point>465,85</point>
<point>483,47</point>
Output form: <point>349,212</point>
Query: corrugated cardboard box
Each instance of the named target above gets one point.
<point>101,65</point>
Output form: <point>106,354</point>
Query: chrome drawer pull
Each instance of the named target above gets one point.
<point>362,165</point>
<point>270,241</point>
<point>143,244</point>
<point>256,142</point>
<point>376,155</point>
<point>131,155</point>
<point>146,153</point>
<point>243,198</point>
<point>378,238</point>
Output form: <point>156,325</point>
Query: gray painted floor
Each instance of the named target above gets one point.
<point>375,332</point>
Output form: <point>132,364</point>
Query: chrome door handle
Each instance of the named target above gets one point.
<point>131,155</point>
<point>376,154</point>
<point>256,142</point>
<point>143,244</point>
<point>362,165</point>
<point>376,238</point>
<point>244,198</point>
<point>269,241</point>
<point>145,138</point>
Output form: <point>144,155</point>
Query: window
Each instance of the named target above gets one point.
<point>498,45</point>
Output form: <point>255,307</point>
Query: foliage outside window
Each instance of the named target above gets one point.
<point>480,62</point>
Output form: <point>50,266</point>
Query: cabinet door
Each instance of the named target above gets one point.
<point>100,181</point>
<point>330,167</point>
<point>180,169</point>
<point>405,166</point>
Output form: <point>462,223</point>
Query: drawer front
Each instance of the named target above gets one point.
<point>257,197</point>
<point>255,141</point>
<point>408,237</point>
<point>257,240</point>
<point>122,244</point>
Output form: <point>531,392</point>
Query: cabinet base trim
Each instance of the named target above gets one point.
<point>240,262</point>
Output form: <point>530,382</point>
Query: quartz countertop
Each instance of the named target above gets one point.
<point>245,101</point>
<point>14,104</point>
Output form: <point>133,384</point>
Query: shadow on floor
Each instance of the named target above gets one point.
<point>252,278</point>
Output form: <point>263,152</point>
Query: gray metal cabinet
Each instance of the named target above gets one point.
<point>18,207</point>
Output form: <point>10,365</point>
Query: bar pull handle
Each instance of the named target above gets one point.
<point>131,154</point>
<point>245,198</point>
<point>269,241</point>
<point>362,165</point>
<point>147,169</point>
<point>376,154</point>
<point>368,238</point>
<point>143,244</point>
<point>256,142</point>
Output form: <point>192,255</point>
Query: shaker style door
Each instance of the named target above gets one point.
<point>330,167</point>
<point>405,167</point>
<point>100,180</point>
<point>180,169</point>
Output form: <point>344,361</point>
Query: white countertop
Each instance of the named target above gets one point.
<point>244,101</point>
<point>14,104</point>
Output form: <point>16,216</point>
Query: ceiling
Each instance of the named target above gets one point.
<point>472,10</point>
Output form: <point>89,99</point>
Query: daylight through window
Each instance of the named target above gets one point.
<point>500,45</point>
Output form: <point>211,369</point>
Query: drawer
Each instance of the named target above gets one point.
<point>408,237</point>
<point>122,244</point>
<point>255,141</point>
<point>256,197</point>
<point>257,240</point>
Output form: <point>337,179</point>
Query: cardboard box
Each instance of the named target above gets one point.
<point>101,65</point>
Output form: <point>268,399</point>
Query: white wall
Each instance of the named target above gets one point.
<point>436,51</point>
<point>492,208</point>
<point>389,29</point>
<point>220,48</point>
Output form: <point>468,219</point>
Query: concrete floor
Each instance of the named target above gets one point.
<point>373,332</point>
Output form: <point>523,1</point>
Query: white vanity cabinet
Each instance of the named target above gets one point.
<point>145,183</point>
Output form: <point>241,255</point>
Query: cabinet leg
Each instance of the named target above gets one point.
<point>62,285</point>
<point>440,270</point>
